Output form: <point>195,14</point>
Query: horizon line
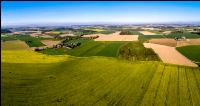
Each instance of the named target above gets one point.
<point>92,23</point>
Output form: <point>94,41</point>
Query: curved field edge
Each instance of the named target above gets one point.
<point>19,52</point>
<point>98,81</point>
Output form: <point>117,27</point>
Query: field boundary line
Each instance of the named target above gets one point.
<point>110,90</point>
<point>168,88</point>
<point>158,85</point>
<point>145,91</point>
<point>196,80</point>
<point>188,88</point>
<point>117,54</point>
<point>178,92</point>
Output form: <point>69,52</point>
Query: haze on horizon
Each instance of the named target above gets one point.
<point>39,12</point>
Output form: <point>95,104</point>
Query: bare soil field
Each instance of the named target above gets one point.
<point>147,33</point>
<point>164,41</point>
<point>170,55</point>
<point>174,43</point>
<point>50,42</point>
<point>116,37</point>
<point>188,42</point>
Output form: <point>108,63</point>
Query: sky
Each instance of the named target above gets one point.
<point>38,12</point>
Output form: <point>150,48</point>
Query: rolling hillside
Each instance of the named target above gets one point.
<point>96,80</point>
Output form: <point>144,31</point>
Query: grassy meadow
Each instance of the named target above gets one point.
<point>88,48</point>
<point>192,52</point>
<point>30,41</point>
<point>184,34</point>
<point>31,78</point>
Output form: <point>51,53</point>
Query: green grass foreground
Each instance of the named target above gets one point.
<point>35,79</point>
<point>99,81</point>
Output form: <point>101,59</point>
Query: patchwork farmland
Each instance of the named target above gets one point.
<point>170,55</point>
<point>191,52</point>
<point>89,48</point>
<point>114,37</point>
<point>96,81</point>
<point>115,70</point>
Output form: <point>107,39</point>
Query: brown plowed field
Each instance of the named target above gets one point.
<point>174,43</point>
<point>188,42</point>
<point>164,41</point>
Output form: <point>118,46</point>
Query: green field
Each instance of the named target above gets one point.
<point>184,34</point>
<point>89,48</point>
<point>192,52</point>
<point>14,45</point>
<point>31,78</point>
<point>31,41</point>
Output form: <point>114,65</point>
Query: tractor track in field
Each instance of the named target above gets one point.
<point>158,85</point>
<point>168,85</point>
<point>178,92</point>
<point>190,97</point>
<point>141,99</point>
<point>196,80</point>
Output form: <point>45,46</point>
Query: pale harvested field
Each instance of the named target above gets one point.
<point>92,35</point>
<point>170,55</point>
<point>46,36</point>
<point>147,33</point>
<point>164,41</point>
<point>167,32</point>
<point>116,37</point>
<point>174,43</point>
<point>188,42</point>
<point>50,42</point>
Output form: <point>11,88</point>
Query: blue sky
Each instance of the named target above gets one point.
<point>98,11</point>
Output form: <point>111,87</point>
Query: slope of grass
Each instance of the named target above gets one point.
<point>14,45</point>
<point>24,56</point>
<point>31,41</point>
<point>98,81</point>
<point>192,52</point>
<point>18,52</point>
<point>184,34</point>
<point>30,78</point>
<point>89,48</point>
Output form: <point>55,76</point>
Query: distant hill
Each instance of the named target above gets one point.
<point>5,31</point>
